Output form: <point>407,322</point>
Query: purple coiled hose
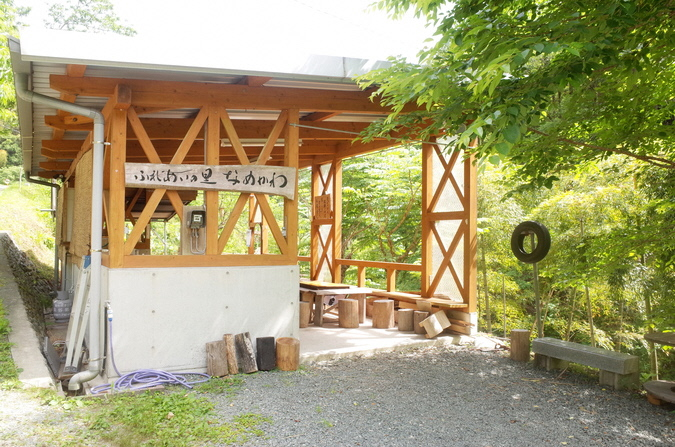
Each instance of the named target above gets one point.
<point>144,378</point>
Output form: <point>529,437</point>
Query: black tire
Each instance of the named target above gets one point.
<point>543,241</point>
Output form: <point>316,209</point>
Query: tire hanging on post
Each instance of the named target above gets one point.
<point>541,244</point>
<point>539,251</point>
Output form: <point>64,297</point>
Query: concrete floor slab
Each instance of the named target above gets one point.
<point>331,341</point>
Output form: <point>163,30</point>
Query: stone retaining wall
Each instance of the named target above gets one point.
<point>37,292</point>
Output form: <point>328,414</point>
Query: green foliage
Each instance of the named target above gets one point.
<point>32,229</point>
<point>8,120</point>
<point>605,236</point>
<point>168,419</point>
<point>226,385</point>
<point>546,84</point>
<point>97,16</point>
<point>10,144</point>
<point>9,373</point>
<point>382,212</point>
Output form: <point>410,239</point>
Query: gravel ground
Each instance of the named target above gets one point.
<point>452,396</point>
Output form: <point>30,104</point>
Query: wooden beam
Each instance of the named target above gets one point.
<point>116,210</point>
<point>152,93</point>
<point>318,116</point>
<point>76,70</point>
<point>211,197</point>
<point>427,221</point>
<point>291,139</point>
<point>55,165</point>
<point>254,81</point>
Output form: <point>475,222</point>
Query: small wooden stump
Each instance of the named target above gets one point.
<point>418,317</point>
<point>405,320</point>
<point>231,349</point>
<point>266,353</point>
<point>216,359</point>
<point>245,354</point>
<point>435,323</point>
<point>288,353</point>
<point>520,345</point>
<point>348,311</point>
<point>305,308</point>
<point>383,314</point>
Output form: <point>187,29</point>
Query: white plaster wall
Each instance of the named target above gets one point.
<point>162,318</point>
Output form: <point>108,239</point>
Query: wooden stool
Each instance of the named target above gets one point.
<point>418,317</point>
<point>305,307</point>
<point>520,345</point>
<point>405,320</point>
<point>266,353</point>
<point>348,311</point>
<point>383,314</point>
<point>288,353</point>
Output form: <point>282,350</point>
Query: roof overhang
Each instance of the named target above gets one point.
<point>42,54</point>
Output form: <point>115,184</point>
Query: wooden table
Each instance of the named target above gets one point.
<point>660,390</point>
<point>325,296</point>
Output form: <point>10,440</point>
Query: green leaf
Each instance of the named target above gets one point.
<point>512,133</point>
<point>503,148</point>
<point>495,160</point>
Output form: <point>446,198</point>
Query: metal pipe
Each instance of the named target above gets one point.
<point>95,323</point>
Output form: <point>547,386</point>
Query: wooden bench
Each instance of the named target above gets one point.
<point>617,369</point>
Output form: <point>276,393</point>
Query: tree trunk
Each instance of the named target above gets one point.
<point>488,317</point>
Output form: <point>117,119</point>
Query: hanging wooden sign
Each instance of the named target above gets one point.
<point>275,180</point>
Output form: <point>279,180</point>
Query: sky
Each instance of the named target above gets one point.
<point>329,27</point>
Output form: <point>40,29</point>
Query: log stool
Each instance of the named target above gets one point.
<point>383,314</point>
<point>405,320</point>
<point>348,311</point>
<point>288,353</point>
<point>305,307</point>
<point>418,317</point>
<point>520,345</point>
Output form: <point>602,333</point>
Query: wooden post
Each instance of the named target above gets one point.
<point>288,353</point>
<point>520,345</point>
<point>405,320</point>
<point>418,317</point>
<point>383,314</point>
<point>216,359</point>
<point>348,310</point>
<point>266,354</point>
<point>231,351</point>
<point>304,313</point>
<point>318,310</point>
<point>245,355</point>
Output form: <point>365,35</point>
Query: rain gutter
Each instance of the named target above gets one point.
<point>95,345</point>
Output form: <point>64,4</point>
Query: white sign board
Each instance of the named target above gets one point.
<point>275,180</point>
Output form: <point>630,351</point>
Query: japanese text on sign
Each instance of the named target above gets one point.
<point>276,180</point>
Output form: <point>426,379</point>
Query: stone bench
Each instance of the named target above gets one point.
<point>617,369</point>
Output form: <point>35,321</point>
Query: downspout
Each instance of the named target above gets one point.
<point>56,186</point>
<point>95,348</point>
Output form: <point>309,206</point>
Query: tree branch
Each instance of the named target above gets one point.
<point>656,161</point>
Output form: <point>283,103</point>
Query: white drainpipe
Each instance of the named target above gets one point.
<point>95,346</point>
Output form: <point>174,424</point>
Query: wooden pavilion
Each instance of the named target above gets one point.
<point>239,115</point>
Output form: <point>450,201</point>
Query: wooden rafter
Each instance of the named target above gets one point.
<point>194,94</point>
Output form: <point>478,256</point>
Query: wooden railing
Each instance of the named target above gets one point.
<point>391,269</point>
